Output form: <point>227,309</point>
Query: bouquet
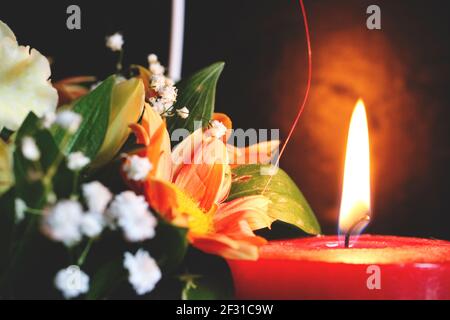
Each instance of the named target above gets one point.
<point>129,187</point>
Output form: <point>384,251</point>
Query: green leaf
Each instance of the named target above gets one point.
<point>28,175</point>
<point>169,246</point>
<point>7,219</point>
<point>106,279</point>
<point>198,94</point>
<point>126,106</point>
<point>205,288</point>
<point>287,202</point>
<point>208,277</point>
<point>94,108</point>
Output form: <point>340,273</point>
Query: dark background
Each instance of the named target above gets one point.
<point>401,72</point>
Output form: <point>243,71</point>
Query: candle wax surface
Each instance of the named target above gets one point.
<point>322,268</point>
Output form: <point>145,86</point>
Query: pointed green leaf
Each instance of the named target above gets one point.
<point>206,288</point>
<point>169,246</point>
<point>94,108</point>
<point>198,94</point>
<point>28,175</point>
<point>108,277</point>
<point>287,202</point>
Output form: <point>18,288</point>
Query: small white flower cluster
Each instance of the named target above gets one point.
<point>144,273</point>
<point>20,207</point>
<point>72,282</point>
<point>154,65</point>
<point>132,214</point>
<point>77,161</point>
<point>67,222</point>
<point>183,113</point>
<point>217,129</point>
<point>137,168</point>
<point>29,149</point>
<point>115,42</point>
<point>166,93</point>
<point>66,119</point>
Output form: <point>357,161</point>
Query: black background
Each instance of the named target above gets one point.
<point>401,72</point>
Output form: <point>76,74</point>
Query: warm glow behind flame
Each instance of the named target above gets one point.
<point>355,203</point>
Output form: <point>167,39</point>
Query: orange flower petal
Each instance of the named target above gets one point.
<point>141,134</point>
<point>183,153</point>
<point>245,248</point>
<point>205,179</point>
<point>162,197</point>
<point>225,188</point>
<point>253,209</point>
<point>202,182</point>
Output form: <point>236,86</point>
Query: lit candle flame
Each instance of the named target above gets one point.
<point>355,204</point>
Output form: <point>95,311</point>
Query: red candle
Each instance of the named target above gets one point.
<point>375,267</point>
<point>348,267</point>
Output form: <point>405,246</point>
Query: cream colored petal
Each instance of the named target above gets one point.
<point>24,84</point>
<point>5,31</point>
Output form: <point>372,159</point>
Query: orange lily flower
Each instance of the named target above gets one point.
<point>189,187</point>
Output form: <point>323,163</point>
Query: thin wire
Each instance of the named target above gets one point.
<point>308,86</point>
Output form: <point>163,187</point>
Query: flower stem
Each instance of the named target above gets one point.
<point>119,62</point>
<point>74,194</point>
<point>85,252</point>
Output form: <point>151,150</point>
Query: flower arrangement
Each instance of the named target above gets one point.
<point>128,187</point>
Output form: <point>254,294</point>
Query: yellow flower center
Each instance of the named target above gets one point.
<point>199,221</point>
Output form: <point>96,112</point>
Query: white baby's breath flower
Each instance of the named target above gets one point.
<point>29,149</point>
<point>133,216</point>
<point>158,105</point>
<point>20,208</point>
<point>157,68</point>
<point>96,195</point>
<point>92,224</point>
<point>152,58</point>
<point>72,282</point>
<point>24,75</point>
<point>217,129</point>
<point>137,168</point>
<point>169,94</point>
<point>158,82</point>
<point>68,120</point>
<point>115,42</point>
<point>144,273</point>
<point>62,222</point>
<point>183,112</point>
<point>169,82</point>
<point>48,119</point>
<point>77,161</point>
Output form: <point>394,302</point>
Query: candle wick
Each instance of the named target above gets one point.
<point>364,219</point>
<point>347,239</point>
